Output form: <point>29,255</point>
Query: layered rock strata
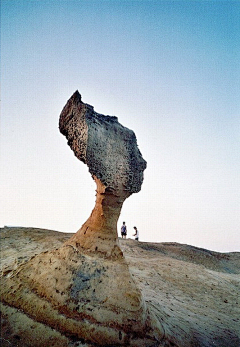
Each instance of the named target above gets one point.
<point>89,299</point>
<point>115,163</point>
<point>192,295</point>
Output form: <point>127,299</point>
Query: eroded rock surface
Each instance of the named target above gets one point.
<point>83,289</point>
<point>108,148</point>
<point>191,295</point>
<point>111,153</point>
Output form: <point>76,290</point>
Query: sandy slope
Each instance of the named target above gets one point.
<point>193,294</point>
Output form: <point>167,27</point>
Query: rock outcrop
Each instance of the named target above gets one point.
<point>191,295</point>
<point>84,289</point>
<point>115,163</point>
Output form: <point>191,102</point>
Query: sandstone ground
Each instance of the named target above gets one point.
<point>192,294</point>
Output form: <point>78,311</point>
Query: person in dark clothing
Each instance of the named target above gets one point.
<point>124,230</point>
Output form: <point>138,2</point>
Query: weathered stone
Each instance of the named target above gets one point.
<point>108,148</point>
<point>191,294</point>
<point>88,298</point>
<point>115,163</point>
<point>84,288</point>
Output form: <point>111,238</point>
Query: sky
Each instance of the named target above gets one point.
<point>169,70</point>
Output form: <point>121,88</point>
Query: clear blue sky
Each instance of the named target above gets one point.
<point>169,70</point>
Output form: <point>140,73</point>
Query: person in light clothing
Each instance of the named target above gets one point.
<point>136,233</point>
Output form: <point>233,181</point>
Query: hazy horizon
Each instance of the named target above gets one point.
<point>169,70</point>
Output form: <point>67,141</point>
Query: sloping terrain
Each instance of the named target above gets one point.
<point>192,294</point>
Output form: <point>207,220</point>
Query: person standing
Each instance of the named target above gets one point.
<point>124,230</point>
<point>136,233</point>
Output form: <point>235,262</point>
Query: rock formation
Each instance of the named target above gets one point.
<point>84,289</point>
<point>115,163</point>
<point>191,294</point>
<point>80,292</point>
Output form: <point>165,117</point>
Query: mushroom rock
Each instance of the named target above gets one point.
<point>84,289</point>
<point>115,163</point>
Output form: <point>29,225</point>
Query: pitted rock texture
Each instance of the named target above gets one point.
<point>83,289</point>
<point>111,153</point>
<point>191,294</point>
<point>108,148</point>
<point>93,300</point>
<point>71,296</point>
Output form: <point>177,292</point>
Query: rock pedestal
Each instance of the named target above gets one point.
<point>99,233</point>
<point>115,163</point>
<point>84,289</point>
